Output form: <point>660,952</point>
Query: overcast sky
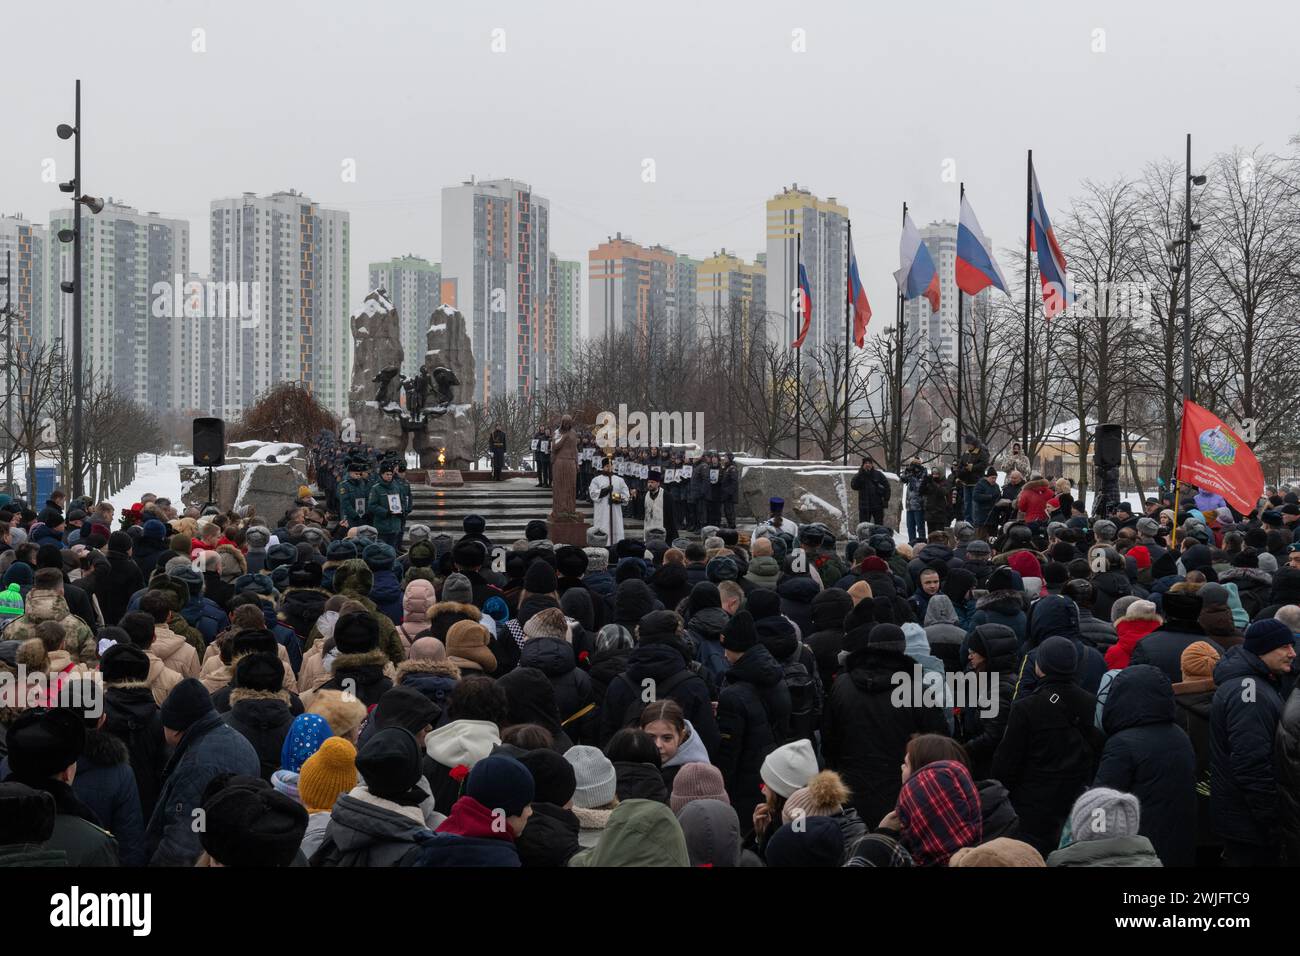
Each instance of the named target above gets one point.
<point>584,92</point>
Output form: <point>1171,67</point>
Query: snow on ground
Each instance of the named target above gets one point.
<point>160,474</point>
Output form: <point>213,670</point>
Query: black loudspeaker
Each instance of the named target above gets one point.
<point>1109,442</point>
<point>209,441</point>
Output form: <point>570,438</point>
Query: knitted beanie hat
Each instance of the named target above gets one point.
<point>594,774</point>
<point>1102,813</point>
<point>789,767</point>
<point>697,781</point>
<point>327,774</point>
<point>1198,660</point>
<point>824,796</point>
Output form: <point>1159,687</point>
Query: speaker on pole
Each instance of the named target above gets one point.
<point>1109,442</point>
<point>209,442</point>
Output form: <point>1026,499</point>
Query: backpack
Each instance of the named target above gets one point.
<point>805,699</point>
<point>661,692</point>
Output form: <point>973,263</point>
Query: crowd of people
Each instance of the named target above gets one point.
<point>334,689</point>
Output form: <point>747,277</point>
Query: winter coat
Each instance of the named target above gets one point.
<point>145,553</point>
<point>105,783</point>
<point>133,718</point>
<point>1253,588</point>
<point>206,616</point>
<point>1130,633</point>
<point>208,748</point>
<point>1164,646</point>
<point>1100,634</point>
<point>1047,756</point>
<point>797,594</point>
<point>368,831</point>
<point>938,503</point>
<point>943,633</point>
<point>1002,607</point>
<point>42,606</point>
<point>554,657</point>
<point>354,579</point>
<point>300,608</point>
<point>639,833</point>
<point>873,493</point>
<point>470,836</point>
<point>753,718</point>
<point>982,734</point>
<point>669,584</point>
<point>461,743</point>
<point>999,815</point>
<point>639,781</point>
<point>972,464</point>
<point>1287,753</point>
<point>550,838</point>
<point>434,679</point>
<point>664,663</point>
<point>114,589</point>
<point>362,674</point>
<point>864,735</point>
<point>263,717</point>
<point>386,592</point>
<point>77,831</point>
<point>381,514</point>
<point>174,651</point>
<point>986,495</point>
<point>1147,755</point>
<point>826,640</point>
<point>915,482</point>
<point>1058,616</point>
<point>704,632</point>
<point>1109,586</point>
<point>1115,851</point>
<point>1244,802</point>
<point>1033,498</point>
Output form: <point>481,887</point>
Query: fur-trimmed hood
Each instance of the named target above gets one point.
<point>441,668</point>
<point>1015,599</point>
<point>347,662</point>
<point>238,694</point>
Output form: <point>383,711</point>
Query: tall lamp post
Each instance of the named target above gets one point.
<point>9,376</point>
<point>73,286</point>
<point>1189,227</point>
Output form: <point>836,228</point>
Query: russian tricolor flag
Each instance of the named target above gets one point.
<point>805,306</point>
<point>976,267</point>
<point>917,274</point>
<point>858,303</point>
<point>1057,294</point>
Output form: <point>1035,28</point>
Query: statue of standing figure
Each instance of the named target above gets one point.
<point>564,469</point>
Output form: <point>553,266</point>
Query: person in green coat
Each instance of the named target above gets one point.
<point>384,506</point>
<point>354,494</point>
<point>408,503</point>
<point>1103,831</point>
<point>639,833</point>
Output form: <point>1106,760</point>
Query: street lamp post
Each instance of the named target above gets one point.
<point>73,235</point>
<point>1189,227</point>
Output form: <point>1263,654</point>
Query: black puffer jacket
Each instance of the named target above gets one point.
<point>982,734</point>
<point>1110,586</point>
<point>753,718</point>
<point>1000,818</point>
<point>263,718</point>
<point>1164,646</point>
<point>300,608</point>
<point>1058,616</point>
<point>1243,723</point>
<point>1100,634</point>
<point>864,735</point>
<point>1288,776</point>
<point>573,695</point>
<point>550,838</point>
<point>829,609</point>
<point>797,595</point>
<point>670,584</point>
<point>1147,755</point>
<point>1047,756</point>
<point>665,663</point>
<point>605,666</point>
<point>133,718</point>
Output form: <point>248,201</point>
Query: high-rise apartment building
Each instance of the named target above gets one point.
<point>800,223</point>
<point>413,286</point>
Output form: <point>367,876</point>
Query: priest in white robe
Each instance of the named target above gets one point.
<point>608,496</point>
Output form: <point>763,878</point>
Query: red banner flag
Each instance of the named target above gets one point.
<point>1213,458</point>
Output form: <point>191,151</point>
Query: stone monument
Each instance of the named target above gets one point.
<point>433,419</point>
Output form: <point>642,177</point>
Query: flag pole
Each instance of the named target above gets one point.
<point>798,354</point>
<point>900,318</point>
<point>1178,465</point>
<point>961,342</point>
<point>848,248</point>
<point>1029,238</point>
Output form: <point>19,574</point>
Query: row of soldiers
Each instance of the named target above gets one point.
<point>376,495</point>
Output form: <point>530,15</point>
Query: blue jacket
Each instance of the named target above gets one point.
<point>450,849</point>
<point>205,615</point>
<point>208,748</point>
<point>1057,616</point>
<point>986,496</point>
<point>599,582</point>
<point>105,782</point>
<point>1243,782</point>
<point>1149,756</point>
<point>387,595</point>
<point>285,635</point>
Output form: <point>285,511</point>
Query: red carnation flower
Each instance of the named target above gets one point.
<point>459,772</point>
<point>582,657</point>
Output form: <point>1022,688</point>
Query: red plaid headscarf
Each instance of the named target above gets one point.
<point>939,809</point>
